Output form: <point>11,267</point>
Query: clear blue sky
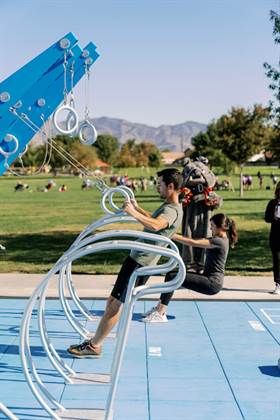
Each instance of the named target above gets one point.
<point>162,62</point>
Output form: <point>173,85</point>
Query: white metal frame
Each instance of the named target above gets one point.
<point>86,244</point>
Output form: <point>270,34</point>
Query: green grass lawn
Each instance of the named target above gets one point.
<point>38,227</point>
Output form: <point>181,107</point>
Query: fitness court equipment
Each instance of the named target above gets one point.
<point>30,95</point>
<point>92,244</point>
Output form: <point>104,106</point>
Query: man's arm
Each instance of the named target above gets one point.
<point>140,210</point>
<point>151,223</point>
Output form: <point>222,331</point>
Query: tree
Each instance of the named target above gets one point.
<point>139,154</point>
<point>126,158</point>
<point>206,144</point>
<point>273,73</point>
<point>241,134</point>
<point>150,152</point>
<point>86,155</point>
<point>237,136</point>
<point>107,148</point>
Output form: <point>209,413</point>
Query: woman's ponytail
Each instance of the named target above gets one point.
<point>232,232</point>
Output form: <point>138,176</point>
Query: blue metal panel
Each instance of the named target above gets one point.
<point>49,87</point>
<point>22,80</point>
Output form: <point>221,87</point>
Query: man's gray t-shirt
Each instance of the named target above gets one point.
<point>216,258</point>
<point>173,213</point>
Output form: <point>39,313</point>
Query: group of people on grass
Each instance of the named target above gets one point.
<point>20,187</point>
<point>248,181</point>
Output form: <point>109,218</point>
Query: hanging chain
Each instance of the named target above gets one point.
<point>87,91</point>
<point>65,64</point>
<point>72,72</point>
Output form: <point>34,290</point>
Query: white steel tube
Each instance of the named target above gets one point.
<point>7,412</point>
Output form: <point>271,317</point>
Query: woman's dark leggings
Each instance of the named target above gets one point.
<point>276,265</point>
<point>193,281</point>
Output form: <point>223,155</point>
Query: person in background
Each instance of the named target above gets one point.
<point>260,178</point>
<point>62,188</point>
<point>224,233</point>
<point>273,179</point>
<point>50,185</point>
<point>272,215</point>
<point>196,211</point>
<point>20,187</point>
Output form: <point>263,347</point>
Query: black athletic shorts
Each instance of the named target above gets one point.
<point>120,287</point>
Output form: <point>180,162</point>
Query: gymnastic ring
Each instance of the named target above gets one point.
<point>110,192</point>
<point>93,133</point>
<point>129,191</point>
<point>8,138</point>
<point>70,116</point>
<point>72,113</point>
<point>124,191</point>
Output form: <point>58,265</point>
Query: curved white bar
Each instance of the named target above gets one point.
<point>26,359</point>
<point>53,356</point>
<point>7,412</point>
<point>79,303</point>
<point>76,325</point>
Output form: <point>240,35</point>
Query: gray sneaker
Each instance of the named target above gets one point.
<point>84,351</point>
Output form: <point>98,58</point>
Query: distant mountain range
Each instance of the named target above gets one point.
<point>173,137</point>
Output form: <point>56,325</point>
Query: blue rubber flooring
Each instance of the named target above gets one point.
<point>212,360</point>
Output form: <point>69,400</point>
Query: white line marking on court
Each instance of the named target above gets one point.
<point>155,351</point>
<point>256,325</point>
<point>267,313</point>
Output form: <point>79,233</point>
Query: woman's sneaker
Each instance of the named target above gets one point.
<point>155,316</point>
<point>149,312</point>
<point>84,350</point>
<point>276,291</point>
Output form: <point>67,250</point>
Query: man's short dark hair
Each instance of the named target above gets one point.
<point>171,176</point>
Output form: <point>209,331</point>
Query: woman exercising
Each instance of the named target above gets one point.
<point>224,233</point>
<point>272,215</point>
